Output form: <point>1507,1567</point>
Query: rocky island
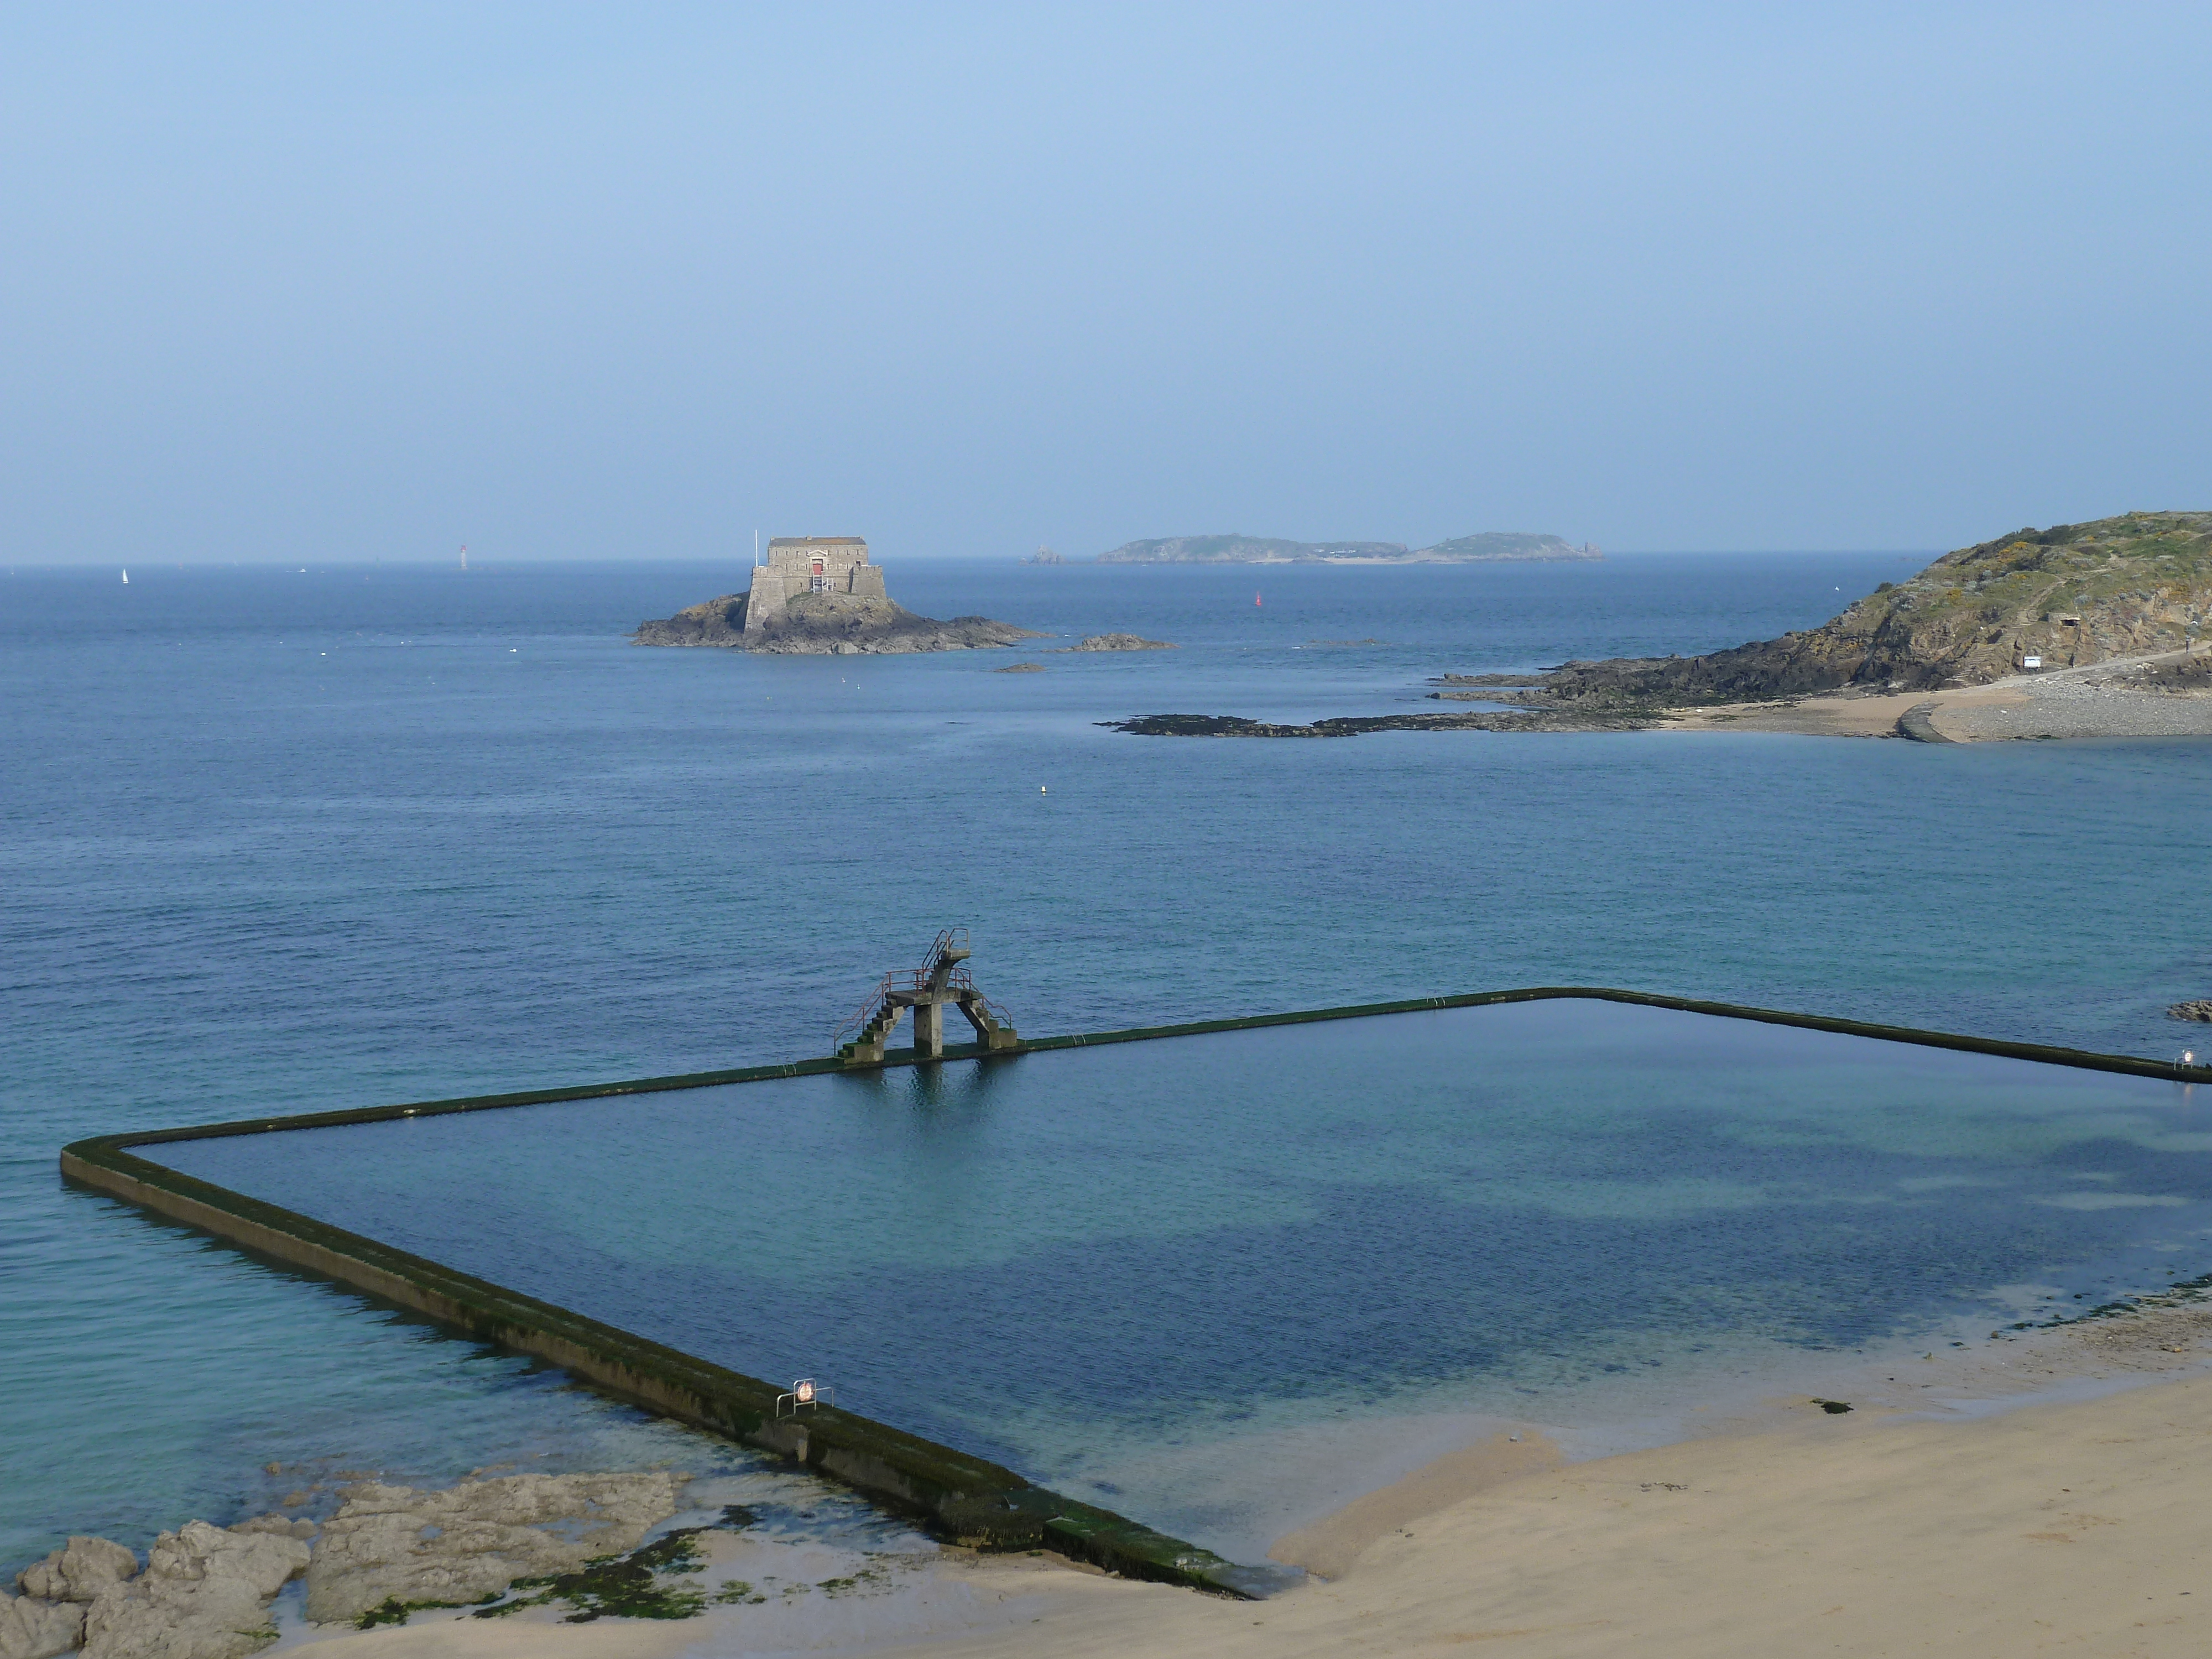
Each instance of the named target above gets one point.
<point>820,596</point>
<point>1119,642</point>
<point>2078,631</point>
<point>1489,547</point>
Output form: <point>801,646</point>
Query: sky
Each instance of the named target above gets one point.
<point>605,281</point>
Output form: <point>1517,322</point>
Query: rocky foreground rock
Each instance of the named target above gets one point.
<point>205,1594</point>
<point>828,624</point>
<point>2072,595</point>
<point>205,1590</point>
<point>399,1544</point>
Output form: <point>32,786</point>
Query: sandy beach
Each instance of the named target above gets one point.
<point>2037,1492</point>
<point>2095,700</point>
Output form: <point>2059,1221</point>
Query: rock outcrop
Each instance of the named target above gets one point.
<point>828,624</point>
<point>2071,595</point>
<point>1353,726</point>
<point>400,1547</point>
<point>206,1589</point>
<point>1119,642</point>
<point>205,1594</point>
<point>2199,1010</point>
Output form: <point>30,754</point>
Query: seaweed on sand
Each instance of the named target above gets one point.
<point>627,1586</point>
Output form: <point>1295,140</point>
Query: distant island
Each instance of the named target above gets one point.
<point>820,596</point>
<point>1490,546</point>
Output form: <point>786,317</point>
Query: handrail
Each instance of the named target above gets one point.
<point>915,980</point>
<point>867,1010</point>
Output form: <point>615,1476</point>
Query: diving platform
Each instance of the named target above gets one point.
<point>944,980</point>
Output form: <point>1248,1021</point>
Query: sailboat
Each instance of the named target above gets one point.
<point>127,579</point>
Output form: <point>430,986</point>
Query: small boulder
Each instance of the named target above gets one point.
<point>32,1627</point>
<point>78,1571</point>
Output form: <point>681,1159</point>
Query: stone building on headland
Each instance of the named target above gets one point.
<point>810,564</point>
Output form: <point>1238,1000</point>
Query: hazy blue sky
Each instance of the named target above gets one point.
<point>556,282</point>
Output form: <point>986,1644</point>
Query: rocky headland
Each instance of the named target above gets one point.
<point>2072,596</point>
<point>828,624</point>
<point>2077,631</point>
<point>1488,547</point>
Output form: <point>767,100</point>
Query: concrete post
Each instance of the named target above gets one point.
<point>929,1028</point>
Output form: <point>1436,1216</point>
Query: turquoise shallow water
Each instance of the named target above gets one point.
<point>1065,1260</point>
<point>277,841</point>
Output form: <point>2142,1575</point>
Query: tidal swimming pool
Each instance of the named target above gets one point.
<point>1069,1261</point>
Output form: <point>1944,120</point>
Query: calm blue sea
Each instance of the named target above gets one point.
<point>278,840</point>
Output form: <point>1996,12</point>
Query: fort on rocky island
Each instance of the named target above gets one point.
<point>819,595</point>
<point>810,564</point>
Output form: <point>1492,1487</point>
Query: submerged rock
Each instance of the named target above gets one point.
<point>205,1594</point>
<point>393,1547</point>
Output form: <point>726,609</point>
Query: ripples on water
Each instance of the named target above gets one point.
<point>279,843</point>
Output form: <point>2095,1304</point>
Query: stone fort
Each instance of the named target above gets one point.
<point>799,565</point>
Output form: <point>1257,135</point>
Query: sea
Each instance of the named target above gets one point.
<point>281,839</point>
